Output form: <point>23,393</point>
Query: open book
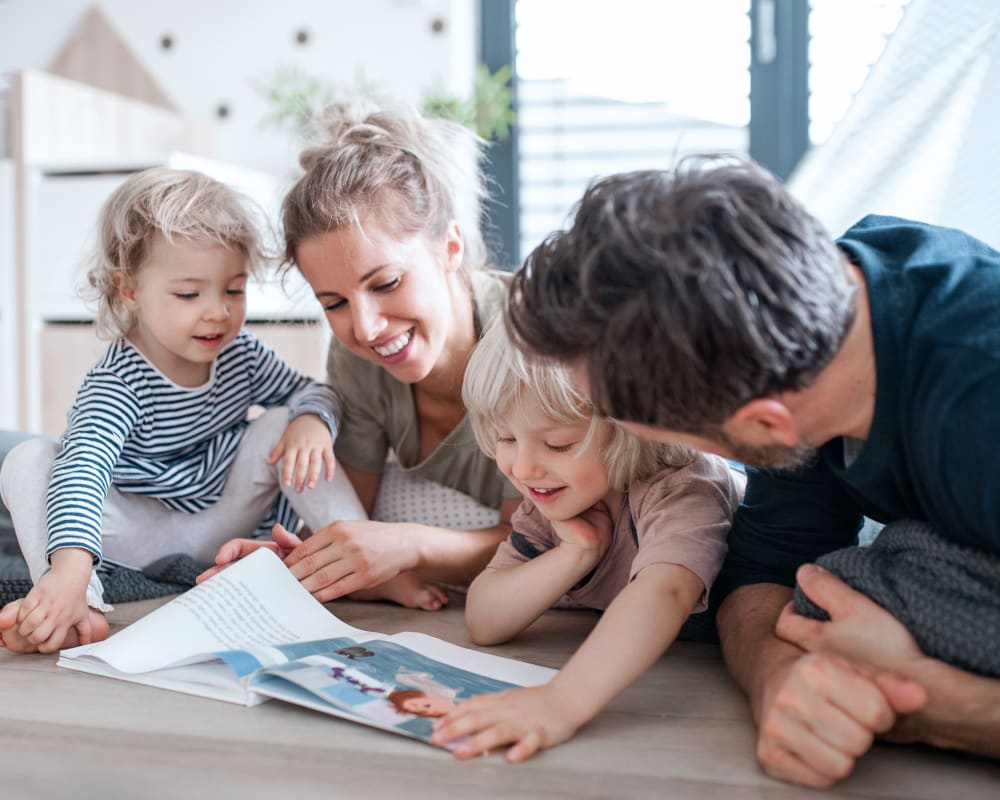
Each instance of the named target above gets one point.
<point>252,632</point>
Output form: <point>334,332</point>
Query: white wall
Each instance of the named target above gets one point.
<point>222,47</point>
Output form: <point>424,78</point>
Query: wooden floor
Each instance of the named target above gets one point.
<point>682,732</point>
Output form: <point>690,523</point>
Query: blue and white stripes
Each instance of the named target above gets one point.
<point>133,427</point>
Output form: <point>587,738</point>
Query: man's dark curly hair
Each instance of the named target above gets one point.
<point>686,293</point>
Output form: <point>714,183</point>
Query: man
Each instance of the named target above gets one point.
<point>705,306</point>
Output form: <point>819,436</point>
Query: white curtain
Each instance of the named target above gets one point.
<point>922,137</point>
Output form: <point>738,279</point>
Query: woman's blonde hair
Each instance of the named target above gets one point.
<point>500,379</point>
<point>174,204</point>
<point>411,173</point>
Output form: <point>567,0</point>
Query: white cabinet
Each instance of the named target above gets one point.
<point>68,350</point>
<point>65,209</point>
<point>71,146</point>
<point>63,226</point>
<point>8,310</point>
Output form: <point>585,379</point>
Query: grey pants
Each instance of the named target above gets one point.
<point>137,530</point>
<point>8,441</point>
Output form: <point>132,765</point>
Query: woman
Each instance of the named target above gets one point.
<point>384,227</point>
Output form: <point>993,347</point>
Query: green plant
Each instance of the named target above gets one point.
<point>295,98</point>
<point>489,112</point>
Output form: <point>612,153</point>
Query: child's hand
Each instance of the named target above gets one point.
<point>590,531</point>
<point>58,602</point>
<point>531,719</point>
<point>305,447</point>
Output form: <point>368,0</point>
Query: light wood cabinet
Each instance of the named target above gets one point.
<point>69,350</point>
<point>72,146</point>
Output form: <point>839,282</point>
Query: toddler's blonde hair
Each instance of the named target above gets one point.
<point>175,204</point>
<point>500,379</point>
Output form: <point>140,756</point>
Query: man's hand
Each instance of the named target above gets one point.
<point>858,629</point>
<point>817,713</point>
<point>820,713</point>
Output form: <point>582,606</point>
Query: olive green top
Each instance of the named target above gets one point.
<point>379,415</point>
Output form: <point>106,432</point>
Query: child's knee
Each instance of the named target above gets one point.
<point>266,430</point>
<point>29,463</point>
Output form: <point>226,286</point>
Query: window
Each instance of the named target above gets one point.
<point>606,86</point>
<point>625,85</point>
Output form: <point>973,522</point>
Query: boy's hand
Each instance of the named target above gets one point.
<point>306,447</point>
<point>58,602</point>
<point>530,719</point>
<point>590,531</point>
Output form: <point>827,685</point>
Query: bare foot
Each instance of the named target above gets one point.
<point>13,641</point>
<point>408,590</point>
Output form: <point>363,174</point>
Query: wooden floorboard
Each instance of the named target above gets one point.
<point>683,731</point>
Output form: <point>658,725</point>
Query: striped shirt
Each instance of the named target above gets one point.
<point>133,427</point>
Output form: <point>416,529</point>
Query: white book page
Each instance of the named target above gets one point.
<point>255,602</point>
<point>210,679</point>
<point>492,666</point>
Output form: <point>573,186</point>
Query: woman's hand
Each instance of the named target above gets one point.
<point>530,719</point>
<point>305,449</point>
<point>352,555</point>
<point>235,549</point>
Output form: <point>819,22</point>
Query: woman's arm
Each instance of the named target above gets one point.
<point>351,555</point>
<point>365,486</point>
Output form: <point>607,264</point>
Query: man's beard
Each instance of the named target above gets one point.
<point>770,457</point>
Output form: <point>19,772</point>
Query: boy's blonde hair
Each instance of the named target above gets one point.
<point>175,204</point>
<point>499,379</point>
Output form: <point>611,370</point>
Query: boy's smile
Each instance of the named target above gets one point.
<point>553,463</point>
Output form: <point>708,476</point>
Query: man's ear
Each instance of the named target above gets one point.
<point>454,246</point>
<point>765,420</point>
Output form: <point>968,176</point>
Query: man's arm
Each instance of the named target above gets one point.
<point>816,714</point>
<point>962,710</point>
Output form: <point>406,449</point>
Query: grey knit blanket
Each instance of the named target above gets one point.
<point>169,575</point>
<point>947,595</point>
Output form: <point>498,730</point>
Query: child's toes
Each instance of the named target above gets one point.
<point>9,614</point>
<point>16,643</point>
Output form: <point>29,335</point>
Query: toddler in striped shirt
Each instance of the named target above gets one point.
<point>159,456</point>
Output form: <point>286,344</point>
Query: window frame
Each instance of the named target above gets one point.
<point>779,103</point>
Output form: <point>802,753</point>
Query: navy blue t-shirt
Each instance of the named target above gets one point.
<point>933,451</point>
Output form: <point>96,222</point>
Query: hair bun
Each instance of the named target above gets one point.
<point>336,125</point>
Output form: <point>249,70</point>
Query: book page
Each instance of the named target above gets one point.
<point>255,602</point>
<point>488,665</point>
<point>380,682</point>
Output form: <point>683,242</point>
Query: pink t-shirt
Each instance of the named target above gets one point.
<point>678,516</point>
